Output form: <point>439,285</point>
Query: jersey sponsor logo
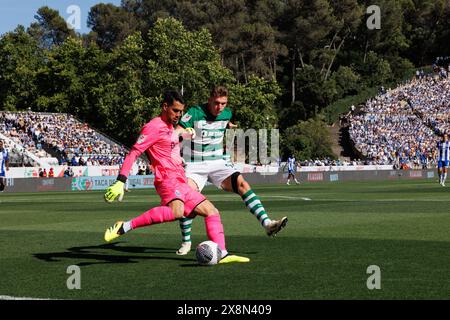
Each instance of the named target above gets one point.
<point>211,125</point>
<point>141,138</point>
<point>186,117</point>
<point>207,134</point>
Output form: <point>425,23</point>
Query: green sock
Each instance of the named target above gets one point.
<point>185,226</point>
<point>255,206</point>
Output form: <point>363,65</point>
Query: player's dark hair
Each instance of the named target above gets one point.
<point>219,91</point>
<point>170,96</point>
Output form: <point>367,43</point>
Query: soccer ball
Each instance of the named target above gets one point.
<point>208,253</point>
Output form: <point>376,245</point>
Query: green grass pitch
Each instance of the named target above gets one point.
<point>323,253</point>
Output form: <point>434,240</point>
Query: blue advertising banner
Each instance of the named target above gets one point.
<point>101,183</point>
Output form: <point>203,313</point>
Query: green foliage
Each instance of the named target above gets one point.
<point>183,60</point>
<point>253,103</point>
<point>20,59</point>
<point>402,69</point>
<point>110,25</point>
<point>307,140</point>
<point>331,112</point>
<point>300,56</point>
<point>315,93</point>
<point>50,29</point>
<point>376,71</point>
<point>428,25</point>
<point>347,81</point>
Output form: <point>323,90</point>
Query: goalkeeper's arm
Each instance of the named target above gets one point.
<point>116,190</point>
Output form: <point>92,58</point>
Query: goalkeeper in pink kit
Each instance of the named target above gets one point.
<point>160,141</point>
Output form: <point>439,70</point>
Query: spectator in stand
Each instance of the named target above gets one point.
<point>61,133</point>
<point>74,161</point>
<point>68,172</point>
<point>405,121</point>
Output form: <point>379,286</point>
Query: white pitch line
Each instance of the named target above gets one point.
<point>287,197</point>
<point>20,298</point>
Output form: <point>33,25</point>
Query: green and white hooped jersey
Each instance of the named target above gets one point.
<point>208,144</point>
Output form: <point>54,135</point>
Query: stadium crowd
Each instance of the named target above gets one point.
<point>402,126</point>
<point>398,127</point>
<point>72,142</point>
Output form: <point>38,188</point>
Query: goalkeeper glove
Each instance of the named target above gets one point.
<point>115,191</point>
<point>189,133</point>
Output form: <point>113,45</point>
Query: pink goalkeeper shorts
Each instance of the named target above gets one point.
<point>170,190</point>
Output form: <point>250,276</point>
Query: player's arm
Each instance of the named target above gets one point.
<point>146,139</point>
<point>185,126</point>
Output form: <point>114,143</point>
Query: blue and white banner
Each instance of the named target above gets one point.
<point>101,183</point>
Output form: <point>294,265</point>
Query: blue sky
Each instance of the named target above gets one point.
<point>15,12</point>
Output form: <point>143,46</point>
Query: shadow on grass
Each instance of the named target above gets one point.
<point>89,255</point>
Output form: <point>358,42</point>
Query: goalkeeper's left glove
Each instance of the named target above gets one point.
<point>115,191</point>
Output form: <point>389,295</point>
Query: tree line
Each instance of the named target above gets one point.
<point>284,61</point>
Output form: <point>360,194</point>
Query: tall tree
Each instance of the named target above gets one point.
<point>304,32</point>
<point>428,29</point>
<point>20,59</point>
<point>111,25</point>
<point>307,140</point>
<point>149,11</point>
<point>50,29</point>
<point>184,60</point>
<point>224,20</point>
<point>253,103</point>
<point>347,15</point>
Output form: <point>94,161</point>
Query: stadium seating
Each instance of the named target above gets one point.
<point>52,138</point>
<point>403,125</point>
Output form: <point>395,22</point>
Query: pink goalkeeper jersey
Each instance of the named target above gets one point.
<point>162,145</point>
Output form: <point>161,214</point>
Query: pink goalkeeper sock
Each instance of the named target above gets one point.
<point>153,216</point>
<point>214,230</point>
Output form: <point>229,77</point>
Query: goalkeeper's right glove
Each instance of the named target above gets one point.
<point>189,133</point>
<point>115,191</point>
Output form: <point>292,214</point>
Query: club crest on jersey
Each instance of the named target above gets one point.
<point>186,117</point>
<point>141,138</point>
<point>177,193</point>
